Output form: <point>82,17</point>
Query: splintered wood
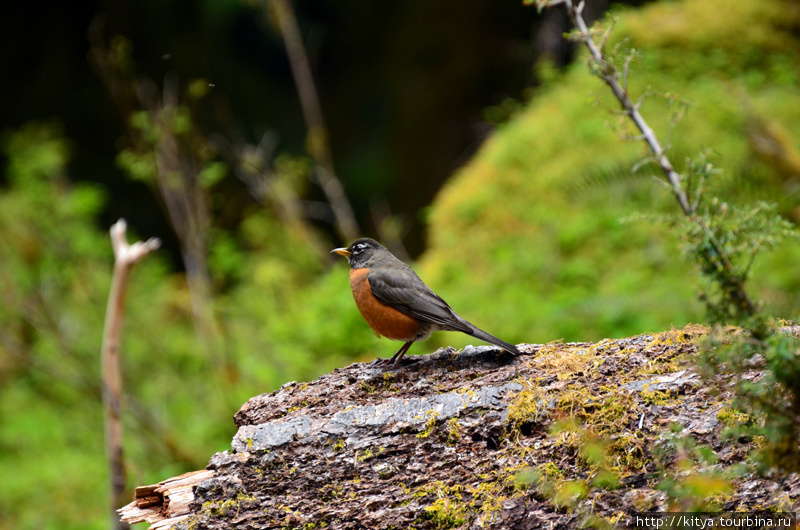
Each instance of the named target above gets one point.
<point>164,504</point>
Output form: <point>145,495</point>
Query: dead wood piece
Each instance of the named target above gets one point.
<point>164,504</point>
<point>166,524</point>
<point>150,500</point>
<point>144,491</point>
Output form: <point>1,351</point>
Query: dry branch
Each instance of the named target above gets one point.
<point>318,144</point>
<point>125,256</point>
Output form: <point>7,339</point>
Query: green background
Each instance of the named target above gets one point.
<point>525,238</point>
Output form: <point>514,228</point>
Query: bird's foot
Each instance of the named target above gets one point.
<point>393,363</point>
<point>383,362</point>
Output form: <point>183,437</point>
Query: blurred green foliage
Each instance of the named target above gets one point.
<point>281,320</point>
<point>532,224</point>
<point>766,407</point>
<point>525,241</point>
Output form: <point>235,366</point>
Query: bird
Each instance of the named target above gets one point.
<point>397,304</point>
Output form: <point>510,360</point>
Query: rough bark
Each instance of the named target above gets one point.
<point>476,440</point>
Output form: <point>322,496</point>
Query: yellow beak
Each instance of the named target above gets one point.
<point>341,252</point>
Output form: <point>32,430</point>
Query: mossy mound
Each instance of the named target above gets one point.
<point>532,225</point>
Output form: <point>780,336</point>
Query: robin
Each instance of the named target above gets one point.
<point>397,304</point>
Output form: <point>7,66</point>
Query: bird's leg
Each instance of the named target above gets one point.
<point>397,356</point>
<point>400,353</point>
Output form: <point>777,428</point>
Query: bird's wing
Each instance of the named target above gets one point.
<point>403,290</point>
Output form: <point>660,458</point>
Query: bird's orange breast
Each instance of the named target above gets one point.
<point>383,319</point>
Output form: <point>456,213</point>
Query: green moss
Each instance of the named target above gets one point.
<point>550,470</point>
<point>456,504</point>
<point>370,452</point>
<point>657,397</point>
<point>227,508</point>
<point>629,452</point>
<point>453,434</point>
<point>429,425</point>
<point>367,386</point>
<point>192,522</point>
<point>733,418</point>
<point>446,513</point>
<point>529,405</point>
<point>335,491</point>
<point>564,180</point>
<point>378,383</point>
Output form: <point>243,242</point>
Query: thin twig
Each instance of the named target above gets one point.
<point>752,259</point>
<point>607,71</point>
<point>125,256</point>
<point>626,70</point>
<point>606,35</point>
<point>607,74</point>
<point>254,166</point>
<point>318,143</point>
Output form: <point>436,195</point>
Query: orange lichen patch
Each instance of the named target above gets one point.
<point>384,320</point>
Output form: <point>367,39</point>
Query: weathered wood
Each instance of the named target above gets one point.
<point>144,491</point>
<point>163,504</point>
<point>147,502</point>
<point>166,524</point>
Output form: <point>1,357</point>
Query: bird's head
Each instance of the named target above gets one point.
<point>360,251</point>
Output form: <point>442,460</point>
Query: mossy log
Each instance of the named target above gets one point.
<point>565,435</point>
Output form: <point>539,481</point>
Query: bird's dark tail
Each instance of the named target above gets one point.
<point>491,339</point>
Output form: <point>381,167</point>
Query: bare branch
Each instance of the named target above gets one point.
<point>607,71</point>
<point>125,256</point>
<point>129,254</point>
<point>608,75</point>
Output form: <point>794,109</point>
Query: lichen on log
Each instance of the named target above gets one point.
<point>478,439</point>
